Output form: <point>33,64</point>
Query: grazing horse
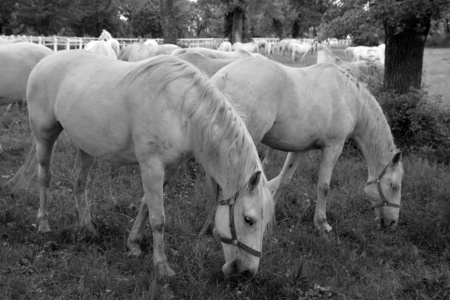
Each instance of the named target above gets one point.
<point>151,42</point>
<point>16,61</point>
<point>369,53</point>
<point>106,36</point>
<point>251,47</point>
<point>102,48</point>
<point>156,113</point>
<point>302,49</point>
<point>317,107</point>
<point>214,53</point>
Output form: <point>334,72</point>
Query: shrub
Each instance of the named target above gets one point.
<point>418,122</point>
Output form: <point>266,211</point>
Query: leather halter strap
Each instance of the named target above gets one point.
<point>233,240</point>
<point>377,181</point>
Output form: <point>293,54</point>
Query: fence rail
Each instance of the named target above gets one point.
<point>64,43</point>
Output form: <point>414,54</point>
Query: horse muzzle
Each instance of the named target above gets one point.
<point>234,268</point>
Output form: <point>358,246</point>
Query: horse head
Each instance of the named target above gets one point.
<point>385,193</point>
<point>240,222</point>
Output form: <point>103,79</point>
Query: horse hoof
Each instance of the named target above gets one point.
<point>43,227</point>
<point>135,252</point>
<point>164,270</point>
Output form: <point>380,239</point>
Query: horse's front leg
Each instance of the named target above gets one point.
<point>152,173</point>
<point>329,159</point>
<point>83,165</point>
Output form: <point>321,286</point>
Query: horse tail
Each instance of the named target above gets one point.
<point>27,176</point>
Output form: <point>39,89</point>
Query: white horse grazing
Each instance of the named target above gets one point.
<point>367,53</point>
<point>317,107</point>
<point>251,47</point>
<point>16,62</point>
<point>157,113</point>
<point>102,48</point>
<point>302,49</point>
<point>106,36</point>
<point>225,46</point>
<point>349,53</point>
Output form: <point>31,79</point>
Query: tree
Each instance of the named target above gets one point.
<point>406,25</point>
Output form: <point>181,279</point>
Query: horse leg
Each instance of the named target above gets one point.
<point>268,158</point>
<point>277,184</point>
<point>151,207</point>
<point>329,159</point>
<point>82,167</point>
<point>44,148</point>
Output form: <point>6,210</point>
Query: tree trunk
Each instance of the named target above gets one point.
<point>169,28</point>
<point>404,55</point>
<point>236,33</point>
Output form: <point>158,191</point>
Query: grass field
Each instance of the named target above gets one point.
<point>357,261</point>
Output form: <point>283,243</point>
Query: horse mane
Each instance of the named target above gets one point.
<point>372,121</point>
<point>218,128</point>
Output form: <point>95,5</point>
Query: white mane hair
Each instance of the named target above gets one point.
<point>218,128</point>
<point>372,120</point>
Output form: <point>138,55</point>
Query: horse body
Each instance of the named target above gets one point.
<point>369,53</point>
<point>16,62</point>
<point>101,47</point>
<point>156,113</point>
<point>317,107</point>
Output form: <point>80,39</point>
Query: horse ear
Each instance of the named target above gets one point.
<point>397,158</point>
<point>254,180</point>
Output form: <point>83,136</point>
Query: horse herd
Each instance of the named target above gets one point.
<point>212,105</point>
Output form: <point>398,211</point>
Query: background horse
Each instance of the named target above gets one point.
<point>317,107</point>
<point>251,47</point>
<point>106,36</point>
<point>157,113</point>
<point>225,46</point>
<point>16,61</point>
<point>302,49</point>
<point>362,70</point>
<point>101,47</point>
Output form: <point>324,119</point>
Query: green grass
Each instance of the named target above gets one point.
<point>358,261</point>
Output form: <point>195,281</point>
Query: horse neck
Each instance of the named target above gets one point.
<point>221,142</point>
<point>373,134</point>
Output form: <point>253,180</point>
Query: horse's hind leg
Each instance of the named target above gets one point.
<point>44,148</point>
<point>277,184</point>
<point>83,165</point>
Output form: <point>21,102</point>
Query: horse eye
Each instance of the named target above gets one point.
<point>249,220</point>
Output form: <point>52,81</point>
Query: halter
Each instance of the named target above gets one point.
<point>234,241</point>
<point>377,181</point>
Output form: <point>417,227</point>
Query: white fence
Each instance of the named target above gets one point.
<point>64,43</point>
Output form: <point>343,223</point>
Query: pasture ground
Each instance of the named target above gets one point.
<point>357,261</point>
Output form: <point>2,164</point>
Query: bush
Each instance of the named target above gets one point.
<point>418,123</point>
